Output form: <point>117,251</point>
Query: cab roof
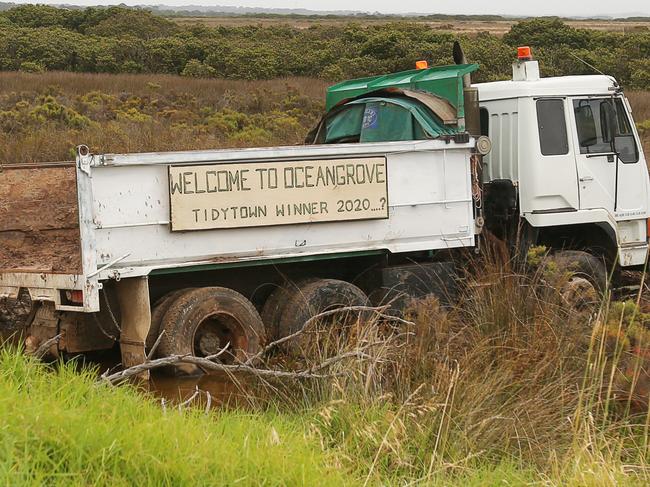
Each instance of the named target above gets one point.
<point>554,86</point>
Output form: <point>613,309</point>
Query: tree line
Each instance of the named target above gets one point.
<point>125,40</point>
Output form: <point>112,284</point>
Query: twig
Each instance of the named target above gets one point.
<point>378,310</point>
<point>330,361</point>
<point>208,404</point>
<point>155,345</point>
<point>44,347</point>
<point>190,399</point>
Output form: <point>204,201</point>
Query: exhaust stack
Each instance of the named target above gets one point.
<point>470,95</point>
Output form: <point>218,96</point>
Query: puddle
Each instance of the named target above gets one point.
<point>223,389</point>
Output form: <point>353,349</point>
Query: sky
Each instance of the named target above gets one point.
<point>584,8</point>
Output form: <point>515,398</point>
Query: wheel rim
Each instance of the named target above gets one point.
<point>216,332</point>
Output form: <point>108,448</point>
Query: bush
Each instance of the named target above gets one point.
<point>31,67</point>
<point>125,40</point>
<point>196,69</point>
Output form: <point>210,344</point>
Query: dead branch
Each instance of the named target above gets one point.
<point>378,310</point>
<point>155,345</point>
<point>44,347</point>
<point>207,363</point>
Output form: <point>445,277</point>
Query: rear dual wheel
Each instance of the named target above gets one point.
<point>205,321</point>
<point>293,305</point>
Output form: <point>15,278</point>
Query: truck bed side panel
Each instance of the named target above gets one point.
<point>429,195</point>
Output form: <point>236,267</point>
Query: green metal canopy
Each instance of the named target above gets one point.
<point>443,81</point>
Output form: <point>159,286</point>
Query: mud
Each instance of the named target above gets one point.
<point>13,313</point>
<point>39,220</point>
<point>224,390</point>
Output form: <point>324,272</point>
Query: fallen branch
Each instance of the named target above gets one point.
<point>378,310</point>
<point>207,363</point>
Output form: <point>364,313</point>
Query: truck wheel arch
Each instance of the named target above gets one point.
<point>598,239</point>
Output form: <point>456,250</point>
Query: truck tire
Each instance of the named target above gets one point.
<point>158,311</point>
<point>313,296</point>
<point>275,304</point>
<point>202,321</point>
<point>588,279</point>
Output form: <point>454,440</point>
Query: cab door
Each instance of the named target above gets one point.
<point>609,173</point>
<point>632,173</point>
<point>595,156</point>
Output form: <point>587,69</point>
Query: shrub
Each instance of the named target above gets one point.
<point>196,69</point>
<point>31,67</point>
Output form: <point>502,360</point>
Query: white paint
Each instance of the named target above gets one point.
<point>429,194</point>
<point>585,186</point>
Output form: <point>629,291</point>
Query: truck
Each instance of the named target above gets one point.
<point>196,252</point>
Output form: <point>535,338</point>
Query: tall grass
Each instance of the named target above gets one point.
<point>61,428</point>
<point>512,380</point>
<point>510,386</point>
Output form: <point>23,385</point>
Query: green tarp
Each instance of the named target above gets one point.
<point>377,119</point>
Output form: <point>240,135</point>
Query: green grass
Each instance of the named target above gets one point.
<point>60,428</point>
<point>532,393</point>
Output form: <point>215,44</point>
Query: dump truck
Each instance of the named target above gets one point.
<point>198,251</point>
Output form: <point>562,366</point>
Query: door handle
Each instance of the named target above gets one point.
<point>586,178</point>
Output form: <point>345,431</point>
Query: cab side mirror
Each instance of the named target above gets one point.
<point>625,147</point>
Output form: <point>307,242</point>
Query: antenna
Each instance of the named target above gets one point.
<point>587,64</point>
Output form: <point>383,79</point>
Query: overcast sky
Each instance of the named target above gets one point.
<point>583,8</point>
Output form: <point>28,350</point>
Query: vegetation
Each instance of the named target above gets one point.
<point>512,386</point>
<point>60,428</point>
<point>43,117</point>
<point>121,40</point>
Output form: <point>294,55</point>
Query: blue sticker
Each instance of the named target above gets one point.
<point>370,118</point>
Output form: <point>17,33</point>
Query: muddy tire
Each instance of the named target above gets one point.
<point>158,311</point>
<point>583,264</point>
<point>313,296</point>
<point>202,321</point>
<point>275,304</point>
<point>272,311</point>
<point>588,279</point>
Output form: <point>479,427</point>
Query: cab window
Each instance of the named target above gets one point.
<point>603,127</point>
<point>553,140</point>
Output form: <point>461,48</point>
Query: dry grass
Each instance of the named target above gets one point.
<point>139,113</point>
<point>135,113</point>
<point>497,27</point>
<point>512,375</point>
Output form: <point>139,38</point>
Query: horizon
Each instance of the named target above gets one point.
<point>506,8</point>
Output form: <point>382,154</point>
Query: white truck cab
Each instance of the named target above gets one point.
<point>568,155</point>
